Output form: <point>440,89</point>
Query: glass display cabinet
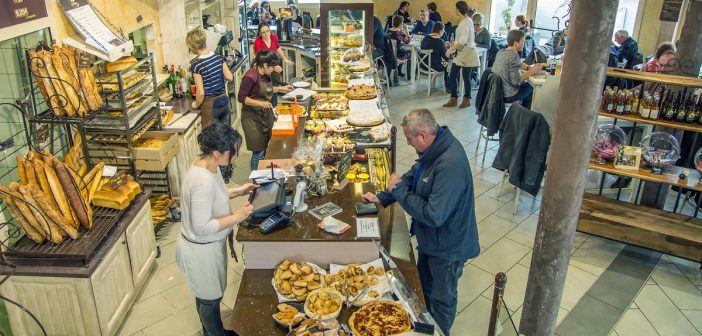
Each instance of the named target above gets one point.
<point>347,41</point>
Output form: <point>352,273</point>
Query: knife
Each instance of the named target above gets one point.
<point>425,322</point>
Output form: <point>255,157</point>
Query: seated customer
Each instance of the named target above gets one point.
<point>625,49</point>
<point>399,33</point>
<point>507,66</point>
<point>423,26</point>
<point>433,14</point>
<point>403,11</point>
<point>483,39</point>
<point>664,53</point>
<point>438,49</point>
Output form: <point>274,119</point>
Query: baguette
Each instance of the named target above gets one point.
<point>31,232</point>
<point>18,199</point>
<point>83,169</point>
<point>40,170</point>
<point>93,179</point>
<point>69,81</point>
<point>51,230</point>
<point>87,77</point>
<point>20,169</point>
<point>60,195</point>
<point>72,193</point>
<point>52,213</point>
<point>31,175</point>
<point>65,101</point>
<point>86,87</point>
<point>83,188</point>
<point>42,75</point>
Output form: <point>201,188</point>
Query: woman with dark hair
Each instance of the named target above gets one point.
<point>207,220</point>
<point>521,23</point>
<point>654,64</point>
<point>255,93</point>
<point>399,33</point>
<point>268,13</point>
<point>296,17</point>
<point>433,14</point>
<point>403,11</point>
<point>466,59</point>
<point>266,40</point>
<point>436,44</point>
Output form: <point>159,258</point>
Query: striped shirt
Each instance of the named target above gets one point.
<point>210,68</point>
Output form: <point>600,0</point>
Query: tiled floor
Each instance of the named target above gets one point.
<point>668,303</point>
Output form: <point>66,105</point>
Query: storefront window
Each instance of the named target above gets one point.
<point>503,13</point>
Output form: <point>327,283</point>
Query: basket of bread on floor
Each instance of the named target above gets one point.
<point>312,299</point>
<point>54,200</point>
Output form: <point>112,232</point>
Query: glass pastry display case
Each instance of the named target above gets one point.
<point>347,42</point>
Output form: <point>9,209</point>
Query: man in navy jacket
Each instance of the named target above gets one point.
<point>438,193</point>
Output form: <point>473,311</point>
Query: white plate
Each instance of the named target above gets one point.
<point>301,85</point>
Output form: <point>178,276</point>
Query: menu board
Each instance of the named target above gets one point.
<point>14,12</point>
<point>671,10</point>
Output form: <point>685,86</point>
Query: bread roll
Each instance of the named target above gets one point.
<point>52,231</point>
<point>73,194</point>
<point>59,195</point>
<point>52,213</point>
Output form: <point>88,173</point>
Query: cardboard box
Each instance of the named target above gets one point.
<point>159,164</point>
<point>156,154</point>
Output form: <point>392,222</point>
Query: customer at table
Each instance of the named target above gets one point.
<point>438,48</point>
<point>268,14</point>
<point>664,53</point>
<point>437,192</point>
<point>483,38</point>
<point>400,34</point>
<point>207,220</point>
<point>424,25</point>
<point>521,23</point>
<point>466,60</point>
<point>255,94</point>
<point>625,48</point>
<point>433,14</point>
<point>507,66</point>
<point>403,11</point>
<point>295,17</point>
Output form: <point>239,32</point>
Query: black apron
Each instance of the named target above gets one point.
<point>257,122</point>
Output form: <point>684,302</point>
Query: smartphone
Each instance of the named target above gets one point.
<point>366,208</point>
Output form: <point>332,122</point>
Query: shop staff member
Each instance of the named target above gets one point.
<point>201,249</point>
<point>438,193</point>
<point>255,94</point>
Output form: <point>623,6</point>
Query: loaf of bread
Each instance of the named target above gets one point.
<point>63,100</point>
<point>111,199</point>
<point>59,194</point>
<point>69,81</point>
<point>31,232</point>
<point>40,171</point>
<point>121,64</point>
<point>52,214</point>
<point>52,231</point>
<point>46,85</point>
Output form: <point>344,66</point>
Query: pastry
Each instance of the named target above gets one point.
<point>361,92</point>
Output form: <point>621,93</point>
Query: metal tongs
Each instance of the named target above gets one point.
<point>360,294</point>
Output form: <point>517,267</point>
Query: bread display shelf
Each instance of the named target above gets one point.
<point>670,176</point>
<point>149,119</point>
<point>656,122</point>
<point>653,77</point>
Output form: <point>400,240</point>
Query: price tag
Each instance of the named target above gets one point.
<point>43,134</point>
<point>118,179</point>
<point>84,60</point>
<point>343,168</point>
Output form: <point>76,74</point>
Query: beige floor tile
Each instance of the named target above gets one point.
<point>162,279</point>
<point>491,175</point>
<point>678,287</point>
<point>516,317</point>
<point>168,233</point>
<point>577,283</point>
<point>473,320</point>
<point>595,255</point>
<point>524,210</point>
<point>168,253</point>
<point>691,269</point>
<point>524,233</point>
<point>492,229</point>
<point>526,261</point>
<point>485,206</point>
<point>503,193</point>
<point>634,323</point>
<point>662,313</point>
<point>138,333</point>
<point>515,289</point>
<point>183,322</point>
<point>501,256</point>
<point>179,296</point>
<point>473,282</point>
<point>230,294</point>
<point>146,313</point>
<point>480,186</point>
<point>695,317</point>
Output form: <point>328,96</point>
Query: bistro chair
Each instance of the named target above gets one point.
<point>398,62</point>
<point>383,71</point>
<point>424,68</point>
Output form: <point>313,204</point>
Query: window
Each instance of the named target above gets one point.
<point>503,12</point>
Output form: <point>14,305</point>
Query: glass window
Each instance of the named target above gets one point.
<point>503,12</point>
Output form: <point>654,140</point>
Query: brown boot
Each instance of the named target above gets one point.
<point>465,103</point>
<point>453,102</point>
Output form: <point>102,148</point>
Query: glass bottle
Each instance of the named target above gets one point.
<point>172,80</point>
<point>683,108</point>
<point>605,99</point>
<point>628,101</point>
<point>670,106</point>
<point>611,101</point>
<point>646,106</point>
<point>692,113</point>
<point>655,106</point>
<point>620,102</point>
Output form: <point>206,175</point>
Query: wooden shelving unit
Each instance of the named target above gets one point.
<point>670,176</point>
<point>653,77</point>
<point>657,122</point>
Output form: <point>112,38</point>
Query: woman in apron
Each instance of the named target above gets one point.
<point>466,59</point>
<point>207,220</point>
<point>255,93</point>
<point>209,72</point>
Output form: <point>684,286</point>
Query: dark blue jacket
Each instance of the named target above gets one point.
<point>420,28</point>
<point>627,50</point>
<point>442,206</point>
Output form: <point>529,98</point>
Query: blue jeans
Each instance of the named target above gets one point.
<point>453,80</point>
<point>439,279</point>
<point>211,318</point>
<point>524,95</point>
<point>255,157</point>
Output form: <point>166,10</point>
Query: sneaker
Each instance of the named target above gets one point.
<point>453,102</point>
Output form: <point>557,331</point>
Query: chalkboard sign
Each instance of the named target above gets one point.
<point>344,165</point>
<point>671,10</point>
<point>14,12</point>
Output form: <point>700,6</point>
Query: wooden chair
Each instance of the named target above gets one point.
<point>424,68</point>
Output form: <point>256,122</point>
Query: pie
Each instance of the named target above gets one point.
<point>365,119</point>
<point>380,318</point>
<point>360,67</point>
<point>361,92</point>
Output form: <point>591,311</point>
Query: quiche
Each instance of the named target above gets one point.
<point>365,119</point>
<point>361,92</point>
<point>380,318</point>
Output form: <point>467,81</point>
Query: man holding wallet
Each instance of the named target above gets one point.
<point>438,193</point>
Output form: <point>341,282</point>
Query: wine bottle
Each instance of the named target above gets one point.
<point>655,106</point>
<point>620,102</point>
<point>670,107</point>
<point>628,101</point>
<point>611,101</point>
<point>682,108</point>
<point>605,99</point>
<point>646,106</point>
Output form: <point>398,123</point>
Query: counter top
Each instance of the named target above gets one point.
<point>58,267</point>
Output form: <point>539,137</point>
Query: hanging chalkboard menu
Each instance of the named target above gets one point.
<point>671,10</point>
<point>14,12</point>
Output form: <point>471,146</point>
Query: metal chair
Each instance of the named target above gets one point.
<point>383,76</point>
<point>483,136</point>
<point>424,68</point>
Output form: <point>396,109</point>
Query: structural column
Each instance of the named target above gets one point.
<point>590,33</point>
